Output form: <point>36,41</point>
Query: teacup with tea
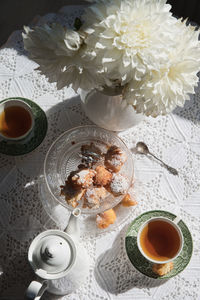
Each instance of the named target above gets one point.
<point>16,119</point>
<point>160,240</point>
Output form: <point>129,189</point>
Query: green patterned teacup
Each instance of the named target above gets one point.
<point>142,264</point>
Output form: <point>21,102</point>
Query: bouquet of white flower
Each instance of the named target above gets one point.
<point>135,46</point>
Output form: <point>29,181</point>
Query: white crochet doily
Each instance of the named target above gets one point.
<point>174,138</point>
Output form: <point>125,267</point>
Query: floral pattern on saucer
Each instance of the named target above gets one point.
<point>143,265</point>
<point>34,139</point>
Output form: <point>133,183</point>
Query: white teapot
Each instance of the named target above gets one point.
<point>58,260</point>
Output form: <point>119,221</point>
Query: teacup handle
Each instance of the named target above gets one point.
<point>177,220</point>
<point>36,289</point>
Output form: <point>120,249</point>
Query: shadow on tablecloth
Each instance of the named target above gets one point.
<point>22,216</point>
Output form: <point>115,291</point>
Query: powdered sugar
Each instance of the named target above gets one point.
<point>115,158</point>
<point>98,218</point>
<point>91,199</point>
<point>84,177</point>
<point>81,176</point>
<point>119,184</point>
<point>115,161</point>
<point>93,196</point>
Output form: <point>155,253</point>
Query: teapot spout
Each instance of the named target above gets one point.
<point>73,228</point>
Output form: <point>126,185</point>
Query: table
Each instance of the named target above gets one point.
<point>174,138</point>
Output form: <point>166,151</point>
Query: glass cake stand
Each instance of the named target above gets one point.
<point>64,157</point>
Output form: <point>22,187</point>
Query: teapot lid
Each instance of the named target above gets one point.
<point>51,254</point>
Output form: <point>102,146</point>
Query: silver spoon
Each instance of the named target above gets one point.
<point>143,149</point>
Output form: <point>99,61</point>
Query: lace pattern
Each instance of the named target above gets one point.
<point>174,138</point>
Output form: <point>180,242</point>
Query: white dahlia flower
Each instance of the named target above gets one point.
<point>133,46</point>
<point>128,37</point>
<point>58,52</point>
<point>160,91</point>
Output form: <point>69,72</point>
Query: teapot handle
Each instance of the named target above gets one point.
<point>36,289</point>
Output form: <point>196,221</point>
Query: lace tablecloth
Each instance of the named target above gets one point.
<point>174,138</point>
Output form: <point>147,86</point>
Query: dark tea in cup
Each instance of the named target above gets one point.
<point>160,240</point>
<point>16,119</point>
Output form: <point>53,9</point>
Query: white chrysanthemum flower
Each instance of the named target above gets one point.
<point>160,91</point>
<point>128,37</point>
<point>133,46</point>
<point>57,50</point>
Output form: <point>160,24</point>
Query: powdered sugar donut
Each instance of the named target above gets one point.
<point>119,185</point>
<point>93,197</point>
<point>114,158</point>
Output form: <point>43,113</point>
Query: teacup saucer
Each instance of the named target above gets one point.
<point>34,139</point>
<point>143,265</point>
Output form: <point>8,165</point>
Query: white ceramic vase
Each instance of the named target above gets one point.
<point>109,111</point>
